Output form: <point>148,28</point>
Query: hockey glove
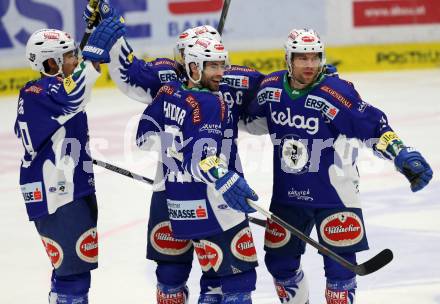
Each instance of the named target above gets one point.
<point>411,163</point>
<point>330,70</point>
<point>104,11</point>
<point>102,40</point>
<point>235,191</point>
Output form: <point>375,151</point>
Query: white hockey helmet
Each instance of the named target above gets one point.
<point>201,50</point>
<point>303,41</point>
<point>45,44</point>
<point>185,38</point>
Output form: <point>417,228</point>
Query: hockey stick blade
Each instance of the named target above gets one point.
<point>372,265</point>
<point>375,263</point>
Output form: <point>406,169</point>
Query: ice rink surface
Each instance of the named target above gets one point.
<point>406,222</point>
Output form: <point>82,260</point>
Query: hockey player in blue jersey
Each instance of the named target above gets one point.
<point>56,176</point>
<point>141,80</point>
<point>188,123</point>
<point>316,123</point>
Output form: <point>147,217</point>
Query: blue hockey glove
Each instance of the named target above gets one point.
<point>103,38</point>
<point>411,163</point>
<point>330,70</point>
<point>104,11</point>
<point>235,190</point>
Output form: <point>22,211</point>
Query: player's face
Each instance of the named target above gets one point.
<point>213,74</point>
<point>70,63</point>
<point>306,67</point>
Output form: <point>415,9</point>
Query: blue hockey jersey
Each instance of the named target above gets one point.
<point>189,125</point>
<point>141,80</point>
<point>56,167</point>
<point>316,133</point>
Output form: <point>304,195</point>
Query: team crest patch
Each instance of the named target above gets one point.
<point>342,229</point>
<point>242,246</point>
<point>69,84</point>
<point>162,240</point>
<point>87,246</point>
<point>54,251</point>
<point>275,236</point>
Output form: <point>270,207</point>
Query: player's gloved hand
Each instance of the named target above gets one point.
<point>411,163</point>
<point>235,191</point>
<point>103,38</point>
<point>104,11</point>
<point>330,70</point>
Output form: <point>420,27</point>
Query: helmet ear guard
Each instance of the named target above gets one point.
<point>202,50</point>
<point>47,44</point>
<point>303,41</point>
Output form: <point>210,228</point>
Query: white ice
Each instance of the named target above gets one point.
<point>406,222</point>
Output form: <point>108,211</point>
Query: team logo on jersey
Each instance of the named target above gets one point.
<point>242,246</point>
<point>161,238</point>
<point>322,105</point>
<point>236,81</point>
<point>311,124</point>
<point>167,76</point>
<point>269,94</point>
<point>342,229</point>
<point>69,84</point>
<point>87,246</point>
<point>187,210</point>
<point>294,155</point>
<point>275,236</point>
<point>54,251</point>
<point>32,192</point>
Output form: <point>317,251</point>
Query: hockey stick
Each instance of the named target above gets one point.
<point>93,4</point>
<point>149,181</point>
<point>221,23</point>
<point>370,266</point>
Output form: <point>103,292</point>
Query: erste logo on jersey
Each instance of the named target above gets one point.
<point>209,254</point>
<point>167,76</point>
<point>242,246</point>
<point>275,236</point>
<point>322,105</point>
<point>87,246</point>
<point>161,238</point>
<point>342,229</point>
<point>236,81</point>
<point>269,94</point>
<point>187,210</point>
<point>54,251</point>
<point>32,192</point>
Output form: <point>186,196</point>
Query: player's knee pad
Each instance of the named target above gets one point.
<point>334,271</point>
<point>56,298</point>
<point>173,274</point>
<point>237,298</point>
<point>282,267</point>
<point>340,291</point>
<point>293,290</point>
<point>76,284</point>
<point>243,282</point>
<point>172,294</point>
<point>210,290</point>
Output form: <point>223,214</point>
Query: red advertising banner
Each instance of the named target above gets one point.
<point>395,12</point>
<point>179,7</point>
